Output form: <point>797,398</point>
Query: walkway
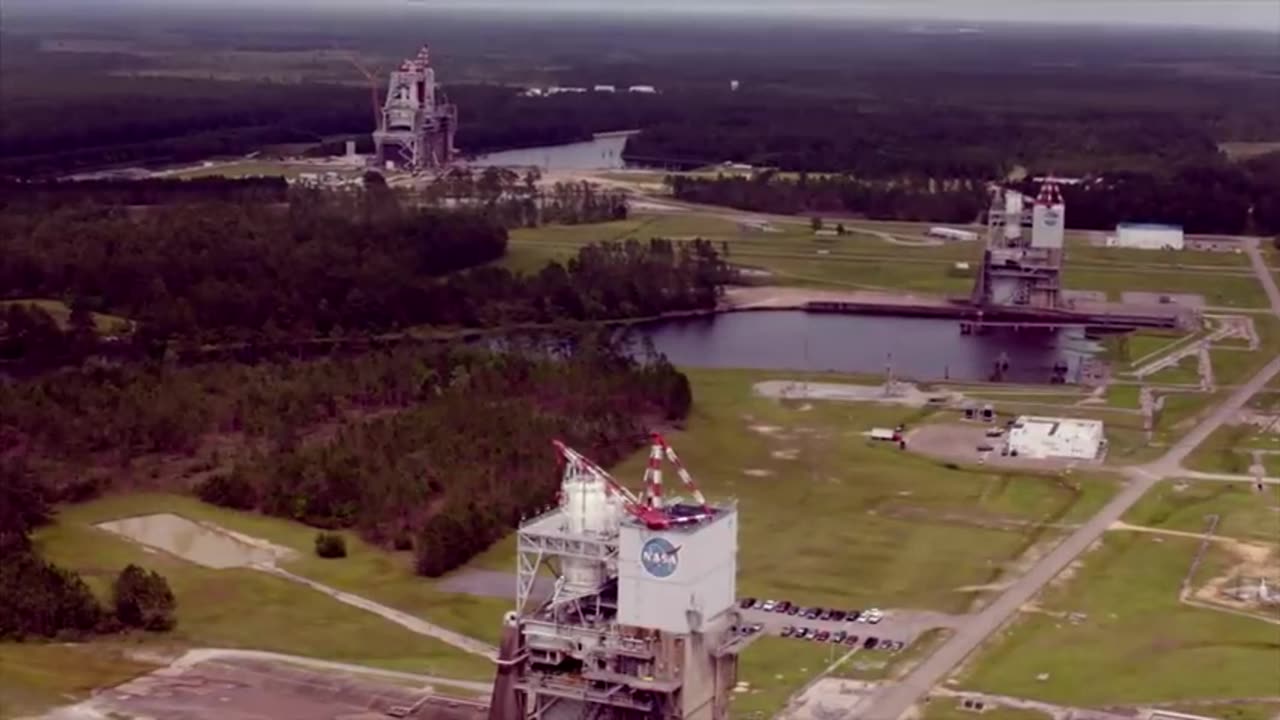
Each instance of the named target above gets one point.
<point>403,619</point>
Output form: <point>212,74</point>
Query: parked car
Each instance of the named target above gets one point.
<point>757,628</point>
<point>782,607</point>
<point>747,603</point>
<point>985,447</point>
<point>787,631</point>
<point>807,634</point>
<point>851,641</point>
<point>793,610</point>
<point>813,613</point>
<point>852,616</point>
<point>869,643</point>
<point>839,636</point>
<point>824,615</point>
<point>837,615</point>
<point>823,636</point>
<point>769,605</point>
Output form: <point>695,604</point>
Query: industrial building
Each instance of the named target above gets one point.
<point>641,622</point>
<point>1047,437</point>
<point>417,126</point>
<point>1148,236</point>
<point>1020,268</point>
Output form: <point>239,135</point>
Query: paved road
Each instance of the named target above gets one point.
<point>896,699</point>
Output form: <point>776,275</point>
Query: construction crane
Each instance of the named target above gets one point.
<point>649,509</point>
<point>374,103</point>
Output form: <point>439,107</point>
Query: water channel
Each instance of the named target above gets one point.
<point>916,348</point>
<point>604,152</point>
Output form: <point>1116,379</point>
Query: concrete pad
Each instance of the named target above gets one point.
<point>234,689</point>
<point>200,543</point>
<point>1186,300</point>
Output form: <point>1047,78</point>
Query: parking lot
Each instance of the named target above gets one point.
<point>895,626</point>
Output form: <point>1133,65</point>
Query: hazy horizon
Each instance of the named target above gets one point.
<point>1255,15</point>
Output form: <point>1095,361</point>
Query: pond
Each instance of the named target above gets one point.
<point>916,348</point>
<point>602,153</point>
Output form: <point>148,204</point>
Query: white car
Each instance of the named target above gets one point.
<point>769,605</point>
<point>873,616</point>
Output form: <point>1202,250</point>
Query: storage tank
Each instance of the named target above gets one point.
<point>590,509</point>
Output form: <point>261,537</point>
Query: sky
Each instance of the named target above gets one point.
<point>1255,15</point>
<point>1242,14</point>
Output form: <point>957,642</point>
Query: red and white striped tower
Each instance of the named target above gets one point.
<point>1050,194</point>
<point>653,473</point>
<point>685,477</point>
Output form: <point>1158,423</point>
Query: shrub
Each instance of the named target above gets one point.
<point>231,491</point>
<point>331,545</point>
<point>143,600</point>
<point>42,599</point>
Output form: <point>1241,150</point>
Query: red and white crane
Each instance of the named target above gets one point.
<point>649,509</point>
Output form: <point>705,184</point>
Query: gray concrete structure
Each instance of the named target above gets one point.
<point>417,125</point>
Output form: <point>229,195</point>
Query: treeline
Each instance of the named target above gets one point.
<point>41,599</point>
<point>956,201</point>
<point>1213,199</point>
<point>815,134</point>
<point>517,200</point>
<point>394,444</point>
<point>238,270</point>
<point>49,195</point>
<point>329,265</point>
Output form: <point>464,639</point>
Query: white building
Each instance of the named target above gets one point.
<point>604,88</point>
<point>1146,236</point>
<point>947,233</point>
<point>643,89</point>
<point>1048,437</point>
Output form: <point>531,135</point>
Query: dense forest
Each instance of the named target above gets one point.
<point>872,100</point>
<point>28,196</point>
<point>456,438</point>
<point>958,201</point>
<point>333,263</point>
<point>1216,198</point>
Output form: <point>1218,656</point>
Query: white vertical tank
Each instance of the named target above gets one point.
<point>590,509</point>
<point>1012,214</point>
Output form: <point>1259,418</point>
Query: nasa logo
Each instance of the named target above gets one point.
<point>1051,219</point>
<point>659,557</point>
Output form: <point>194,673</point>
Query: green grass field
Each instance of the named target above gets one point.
<point>864,259</point>
<point>61,313</point>
<point>37,676</point>
<point>1185,372</point>
<point>773,669</point>
<point>1137,643</point>
<point>251,168</point>
<point>246,608</point>
<point>1244,512</point>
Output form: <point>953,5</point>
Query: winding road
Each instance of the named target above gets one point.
<point>894,700</point>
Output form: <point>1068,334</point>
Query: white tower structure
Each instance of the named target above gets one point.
<point>418,124</point>
<point>640,621</point>
<point>1021,268</point>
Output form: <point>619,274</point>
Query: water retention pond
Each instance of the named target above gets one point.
<point>916,348</point>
